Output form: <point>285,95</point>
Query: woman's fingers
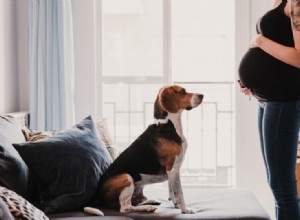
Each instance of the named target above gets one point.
<point>240,84</point>
<point>244,89</point>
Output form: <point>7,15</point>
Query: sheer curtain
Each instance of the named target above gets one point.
<point>51,67</point>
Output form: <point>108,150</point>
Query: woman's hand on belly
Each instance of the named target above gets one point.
<point>245,90</point>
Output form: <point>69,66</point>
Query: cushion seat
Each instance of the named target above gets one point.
<point>209,204</point>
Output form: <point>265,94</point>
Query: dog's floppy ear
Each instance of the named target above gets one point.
<point>168,100</point>
<point>159,112</point>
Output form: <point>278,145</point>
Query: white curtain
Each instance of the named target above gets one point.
<point>51,67</point>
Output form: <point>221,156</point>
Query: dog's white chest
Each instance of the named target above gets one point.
<point>149,179</point>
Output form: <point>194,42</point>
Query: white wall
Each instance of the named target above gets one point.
<point>85,58</point>
<point>250,168</point>
<point>9,88</point>
<point>22,54</point>
<point>1,57</point>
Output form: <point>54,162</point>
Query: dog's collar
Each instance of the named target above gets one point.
<point>161,121</point>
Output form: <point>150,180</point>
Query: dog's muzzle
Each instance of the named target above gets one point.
<point>195,101</point>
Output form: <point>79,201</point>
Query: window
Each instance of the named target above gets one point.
<point>132,38</point>
<point>150,43</point>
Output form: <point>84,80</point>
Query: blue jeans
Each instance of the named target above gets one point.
<point>278,124</point>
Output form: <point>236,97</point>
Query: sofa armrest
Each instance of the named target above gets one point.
<point>22,117</point>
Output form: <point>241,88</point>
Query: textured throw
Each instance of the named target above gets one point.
<point>19,207</point>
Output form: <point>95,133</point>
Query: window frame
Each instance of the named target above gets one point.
<point>242,17</point>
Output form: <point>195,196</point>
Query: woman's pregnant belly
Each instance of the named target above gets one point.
<point>262,73</point>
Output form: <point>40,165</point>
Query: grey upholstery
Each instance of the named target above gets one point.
<point>209,204</point>
<point>212,204</point>
<point>76,217</point>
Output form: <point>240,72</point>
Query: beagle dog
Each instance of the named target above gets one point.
<point>155,156</point>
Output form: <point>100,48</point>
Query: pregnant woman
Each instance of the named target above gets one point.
<point>270,71</point>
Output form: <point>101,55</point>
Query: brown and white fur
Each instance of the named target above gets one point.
<point>153,157</point>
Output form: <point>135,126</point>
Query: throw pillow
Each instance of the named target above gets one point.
<point>106,137</point>
<point>33,136</point>
<point>19,207</point>
<point>13,170</point>
<point>102,127</point>
<point>67,166</point>
<point>4,211</point>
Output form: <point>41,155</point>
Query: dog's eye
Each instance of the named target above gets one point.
<point>182,92</point>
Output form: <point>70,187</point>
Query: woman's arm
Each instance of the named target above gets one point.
<point>289,55</point>
<point>295,14</point>
<point>276,3</point>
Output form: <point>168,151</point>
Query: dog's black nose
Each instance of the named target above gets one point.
<point>200,96</point>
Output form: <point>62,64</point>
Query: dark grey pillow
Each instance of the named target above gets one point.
<point>67,166</point>
<point>13,170</point>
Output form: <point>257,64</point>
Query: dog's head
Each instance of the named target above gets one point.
<point>172,99</point>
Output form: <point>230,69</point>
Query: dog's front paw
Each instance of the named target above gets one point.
<point>150,208</point>
<point>174,203</point>
<point>150,202</point>
<point>188,211</point>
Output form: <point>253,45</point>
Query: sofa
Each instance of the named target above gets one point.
<point>54,175</point>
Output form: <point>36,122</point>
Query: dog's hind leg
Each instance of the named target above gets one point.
<point>140,199</point>
<point>138,195</point>
<point>125,200</point>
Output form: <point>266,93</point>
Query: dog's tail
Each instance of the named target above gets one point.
<point>93,211</point>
